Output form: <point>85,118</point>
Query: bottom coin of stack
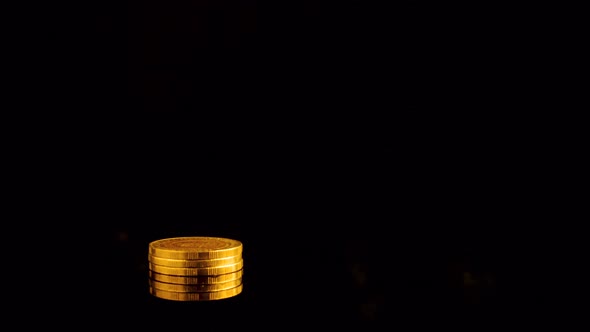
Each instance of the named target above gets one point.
<point>195,268</point>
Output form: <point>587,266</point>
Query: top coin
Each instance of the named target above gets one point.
<point>195,247</point>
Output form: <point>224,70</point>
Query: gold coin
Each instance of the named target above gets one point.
<point>203,296</point>
<point>194,262</point>
<point>184,280</point>
<point>195,247</point>
<point>194,288</point>
<point>196,271</point>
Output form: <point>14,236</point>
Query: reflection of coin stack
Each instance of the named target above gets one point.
<point>195,268</point>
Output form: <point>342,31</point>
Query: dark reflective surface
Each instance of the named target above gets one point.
<point>319,248</point>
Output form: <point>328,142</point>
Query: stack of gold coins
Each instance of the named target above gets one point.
<point>195,268</point>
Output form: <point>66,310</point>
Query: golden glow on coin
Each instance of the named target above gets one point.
<point>214,279</point>
<point>194,288</point>
<point>195,247</point>
<point>196,271</point>
<point>196,296</point>
<point>195,268</point>
<point>194,262</point>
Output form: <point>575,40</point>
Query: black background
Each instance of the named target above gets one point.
<point>323,135</point>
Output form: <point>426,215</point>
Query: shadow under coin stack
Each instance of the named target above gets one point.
<point>195,268</point>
